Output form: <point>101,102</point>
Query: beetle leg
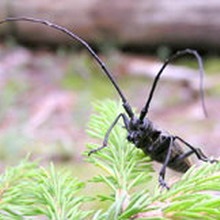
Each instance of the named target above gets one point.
<point>185,155</point>
<point>166,161</point>
<point>197,151</point>
<point>105,141</point>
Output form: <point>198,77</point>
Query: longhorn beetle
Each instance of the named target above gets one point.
<point>159,145</point>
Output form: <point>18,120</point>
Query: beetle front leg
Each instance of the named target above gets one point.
<point>105,141</point>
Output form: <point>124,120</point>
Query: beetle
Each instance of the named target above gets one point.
<point>159,145</point>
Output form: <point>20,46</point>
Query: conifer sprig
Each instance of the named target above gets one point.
<point>194,196</point>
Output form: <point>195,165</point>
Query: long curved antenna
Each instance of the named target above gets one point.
<point>144,111</point>
<point>86,45</point>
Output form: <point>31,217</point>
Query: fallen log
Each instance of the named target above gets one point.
<point>125,22</point>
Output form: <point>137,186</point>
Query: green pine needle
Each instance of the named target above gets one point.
<point>29,190</point>
<point>124,167</point>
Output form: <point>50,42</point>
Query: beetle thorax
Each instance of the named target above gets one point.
<point>137,130</point>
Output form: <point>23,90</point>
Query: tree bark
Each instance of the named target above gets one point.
<point>142,22</point>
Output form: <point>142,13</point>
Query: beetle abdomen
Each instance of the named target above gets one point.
<point>159,149</point>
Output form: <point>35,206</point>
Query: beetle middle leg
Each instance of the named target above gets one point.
<point>166,161</point>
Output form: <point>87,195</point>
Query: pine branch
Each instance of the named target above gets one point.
<point>29,190</point>
<point>195,196</point>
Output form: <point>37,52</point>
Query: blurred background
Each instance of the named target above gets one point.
<point>48,82</point>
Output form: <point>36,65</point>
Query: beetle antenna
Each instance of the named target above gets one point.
<point>144,111</point>
<point>86,45</point>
